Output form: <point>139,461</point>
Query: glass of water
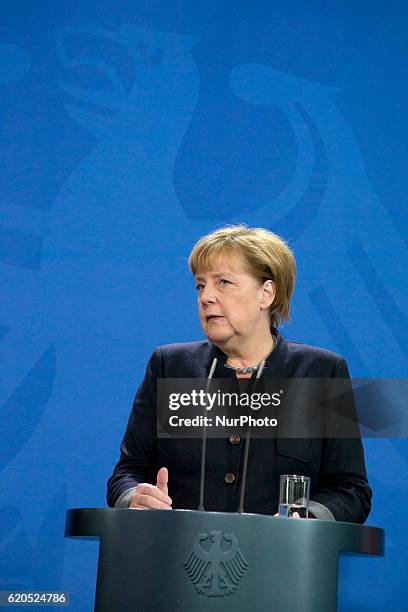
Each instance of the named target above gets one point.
<point>294,495</point>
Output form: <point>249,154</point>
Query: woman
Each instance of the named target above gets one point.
<point>245,279</point>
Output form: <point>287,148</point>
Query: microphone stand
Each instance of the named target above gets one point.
<point>204,439</point>
<point>246,451</point>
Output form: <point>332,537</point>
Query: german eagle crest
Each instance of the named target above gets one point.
<point>216,564</point>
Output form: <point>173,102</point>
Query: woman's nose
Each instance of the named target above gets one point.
<point>207,295</point>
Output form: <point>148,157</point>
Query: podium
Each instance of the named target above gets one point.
<point>187,561</point>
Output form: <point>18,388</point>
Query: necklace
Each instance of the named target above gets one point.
<point>249,369</point>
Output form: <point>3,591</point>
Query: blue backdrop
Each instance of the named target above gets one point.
<point>128,130</point>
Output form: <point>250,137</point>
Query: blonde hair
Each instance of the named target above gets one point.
<point>266,255</point>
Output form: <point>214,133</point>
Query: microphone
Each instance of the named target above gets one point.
<point>246,451</point>
<point>204,439</point>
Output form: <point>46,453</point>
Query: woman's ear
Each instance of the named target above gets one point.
<point>268,294</point>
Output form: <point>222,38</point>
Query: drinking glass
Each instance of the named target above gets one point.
<point>294,493</point>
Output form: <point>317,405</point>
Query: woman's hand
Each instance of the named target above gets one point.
<point>148,496</point>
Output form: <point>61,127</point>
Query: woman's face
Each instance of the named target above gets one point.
<point>232,304</point>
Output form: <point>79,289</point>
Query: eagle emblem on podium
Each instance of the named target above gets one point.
<point>216,564</point>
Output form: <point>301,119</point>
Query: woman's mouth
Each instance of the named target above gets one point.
<point>209,318</point>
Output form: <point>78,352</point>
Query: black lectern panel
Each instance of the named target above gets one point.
<point>186,561</point>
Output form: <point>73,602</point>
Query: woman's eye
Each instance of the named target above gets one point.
<point>200,286</point>
<point>224,281</point>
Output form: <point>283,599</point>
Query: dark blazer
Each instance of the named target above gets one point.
<point>339,487</point>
